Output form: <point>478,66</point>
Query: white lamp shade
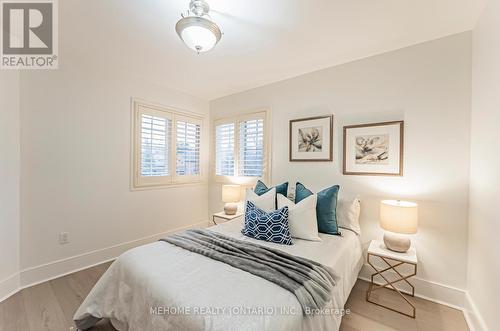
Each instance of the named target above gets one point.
<point>399,216</point>
<point>230,193</point>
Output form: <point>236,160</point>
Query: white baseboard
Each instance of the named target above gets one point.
<point>428,290</point>
<point>472,316</point>
<point>45,272</point>
<point>48,271</point>
<point>9,286</point>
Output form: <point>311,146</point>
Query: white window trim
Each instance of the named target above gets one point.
<point>173,180</point>
<point>244,180</point>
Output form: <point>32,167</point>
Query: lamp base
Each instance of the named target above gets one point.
<point>230,208</point>
<point>397,243</point>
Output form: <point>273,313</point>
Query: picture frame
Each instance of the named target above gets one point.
<point>375,149</point>
<point>311,139</point>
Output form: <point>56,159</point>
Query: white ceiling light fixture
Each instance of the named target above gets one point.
<point>196,29</point>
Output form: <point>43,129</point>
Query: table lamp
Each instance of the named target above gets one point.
<point>230,195</point>
<point>398,218</point>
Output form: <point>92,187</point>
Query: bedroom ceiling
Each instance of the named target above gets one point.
<point>264,41</point>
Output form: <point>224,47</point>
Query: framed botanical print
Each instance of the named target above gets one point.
<point>374,149</point>
<point>311,139</point>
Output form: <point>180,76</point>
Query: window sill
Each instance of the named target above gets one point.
<point>238,180</point>
<point>167,186</point>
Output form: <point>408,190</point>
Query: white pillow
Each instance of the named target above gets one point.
<point>301,217</point>
<point>348,211</point>
<point>266,201</point>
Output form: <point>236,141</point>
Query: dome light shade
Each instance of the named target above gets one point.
<point>198,33</point>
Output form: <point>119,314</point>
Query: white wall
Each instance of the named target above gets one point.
<point>75,169</point>
<point>9,179</point>
<point>428,86</point>
<point>484,223</point>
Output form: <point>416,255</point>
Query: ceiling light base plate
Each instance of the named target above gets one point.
<point>199,7</point>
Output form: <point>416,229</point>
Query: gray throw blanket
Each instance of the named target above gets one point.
<point>309,281</point>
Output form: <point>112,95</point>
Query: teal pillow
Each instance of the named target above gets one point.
<point>326,207</point>
<point>261,188</point>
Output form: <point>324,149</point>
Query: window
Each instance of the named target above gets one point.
<point>155,145</point>
<point>187,141</point>
<point>240,147</point>
<point>251,161</point>
<point>160,137</point>
<point>224,149</point>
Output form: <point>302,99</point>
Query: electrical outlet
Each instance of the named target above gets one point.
<point>63,238</point>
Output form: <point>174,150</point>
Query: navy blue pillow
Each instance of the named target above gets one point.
<point>272,227</point>
<point>326,207</point>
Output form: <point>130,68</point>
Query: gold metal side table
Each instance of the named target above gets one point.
<point>392,260</point>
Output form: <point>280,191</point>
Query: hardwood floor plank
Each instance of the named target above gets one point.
<point>12,314</point>
<point>103,325</point>
<point>358,322</point>
<point>440,318</point>
<point>68,297</point>
<point>433,316</point>
<point>72,289</point>
<point>101,268</point>
<point>43,310</point>
<point>347,327</point>
<point>358,304</point>
<point>81,283</point>
<point>430,315</point>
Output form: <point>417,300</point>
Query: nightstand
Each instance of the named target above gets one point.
<point>392,260</point>
<point>223,216</point>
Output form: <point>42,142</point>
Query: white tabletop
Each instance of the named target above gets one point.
<point>378,248</point>
<point>227,217</point>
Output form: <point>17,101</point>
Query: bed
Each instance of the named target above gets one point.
<point>160,286</point>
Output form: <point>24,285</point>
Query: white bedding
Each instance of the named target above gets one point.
<point>193,292</point>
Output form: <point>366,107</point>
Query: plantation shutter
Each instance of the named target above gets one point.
<point>167,146</point>
<point>224,149</point>
<point>187,141</point>
<point>251,148</point>
<point>154,146</point>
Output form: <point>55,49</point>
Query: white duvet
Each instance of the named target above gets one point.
<point>163,287</point>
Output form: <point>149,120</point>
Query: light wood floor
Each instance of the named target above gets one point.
<point>51,305</point>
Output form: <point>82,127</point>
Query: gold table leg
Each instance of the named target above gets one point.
<point>391,284</point>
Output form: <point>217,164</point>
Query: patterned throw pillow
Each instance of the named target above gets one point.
<point>272,227</point>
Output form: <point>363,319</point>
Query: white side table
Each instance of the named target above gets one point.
<point>393,260</point>
<point>224,217</point>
